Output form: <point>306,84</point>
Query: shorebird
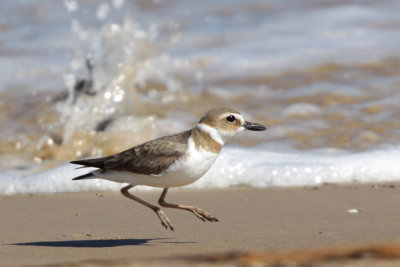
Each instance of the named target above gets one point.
<point>171,161</point>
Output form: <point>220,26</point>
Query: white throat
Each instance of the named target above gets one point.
<point>214,133</point>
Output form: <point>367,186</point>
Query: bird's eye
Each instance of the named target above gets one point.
<point>230,118</point>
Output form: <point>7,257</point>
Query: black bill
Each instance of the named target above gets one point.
<point>254,126</point>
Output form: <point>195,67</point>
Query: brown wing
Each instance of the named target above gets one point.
<point>152,157</point>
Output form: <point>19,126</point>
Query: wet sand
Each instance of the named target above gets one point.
<point>73,227</point>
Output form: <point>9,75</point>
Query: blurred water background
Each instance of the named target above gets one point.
<point>91,78</point>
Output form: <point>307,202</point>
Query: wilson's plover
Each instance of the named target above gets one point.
<point>171,161</point>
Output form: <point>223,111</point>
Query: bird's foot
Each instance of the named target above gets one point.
<point>164,219</point>
<point>202,215</point>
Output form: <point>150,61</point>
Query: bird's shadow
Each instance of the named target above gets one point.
<point>98,243</point>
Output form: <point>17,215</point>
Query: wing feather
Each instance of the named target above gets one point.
<point>153,157</point>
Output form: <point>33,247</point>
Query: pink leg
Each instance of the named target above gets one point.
<point>161,215</point>
<point>201,214</point>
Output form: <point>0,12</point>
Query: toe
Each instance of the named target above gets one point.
<point>201,214</point>
<point>164,219</point>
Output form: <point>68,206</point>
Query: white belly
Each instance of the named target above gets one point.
<point>182,172</point>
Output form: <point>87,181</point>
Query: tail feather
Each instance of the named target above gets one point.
<point>96,163</point>
<point>87,175</point>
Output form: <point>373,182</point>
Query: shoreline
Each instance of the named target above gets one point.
<point>64,227</point>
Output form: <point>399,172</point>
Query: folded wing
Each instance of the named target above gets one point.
<point>153,157</point>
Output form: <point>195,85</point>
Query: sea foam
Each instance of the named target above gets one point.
<point>255,167</point>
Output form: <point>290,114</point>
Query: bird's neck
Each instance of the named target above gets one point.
<point>207,138</point>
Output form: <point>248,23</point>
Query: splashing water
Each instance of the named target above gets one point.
<point>99,77</point>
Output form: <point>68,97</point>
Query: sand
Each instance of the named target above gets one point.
<point>75,227</point>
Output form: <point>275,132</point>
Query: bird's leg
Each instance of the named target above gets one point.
<point>201,214</point>
<point>161,215</point>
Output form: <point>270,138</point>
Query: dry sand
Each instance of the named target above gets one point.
<point>55,228</point>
